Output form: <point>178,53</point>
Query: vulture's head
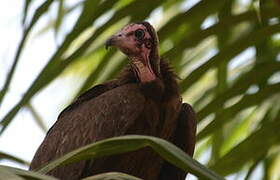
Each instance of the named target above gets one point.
<point>139,42</point>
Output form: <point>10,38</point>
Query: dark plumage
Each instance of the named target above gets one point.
<point>144,100</point>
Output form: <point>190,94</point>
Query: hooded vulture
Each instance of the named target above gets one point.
<point>144,99</point>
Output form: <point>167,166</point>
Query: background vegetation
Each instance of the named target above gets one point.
<point>227,53</point>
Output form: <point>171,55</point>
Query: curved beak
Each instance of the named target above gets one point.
<point>115,40</point>
<point>110,42</point>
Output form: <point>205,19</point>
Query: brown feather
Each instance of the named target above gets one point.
<point>184,138</point>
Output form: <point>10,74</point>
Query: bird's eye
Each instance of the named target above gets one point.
<point>139,33</point>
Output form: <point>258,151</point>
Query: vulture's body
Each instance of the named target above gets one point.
<point>130,104</point>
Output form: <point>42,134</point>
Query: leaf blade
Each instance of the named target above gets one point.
<point>129,143</point>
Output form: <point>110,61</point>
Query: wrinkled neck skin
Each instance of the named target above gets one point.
<point>142,69</point>
<point>151,85</point>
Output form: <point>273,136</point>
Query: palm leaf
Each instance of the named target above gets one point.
<point>124,144</point>
<point>112,176</point>
<point>262,139</point>
<point>9,173</point>
<point>7,156</point>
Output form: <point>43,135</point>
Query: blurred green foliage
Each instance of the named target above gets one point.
<point>237,100</point>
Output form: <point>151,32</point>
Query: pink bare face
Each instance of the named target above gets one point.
<point>135,41</point>
<point>132,40</point>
